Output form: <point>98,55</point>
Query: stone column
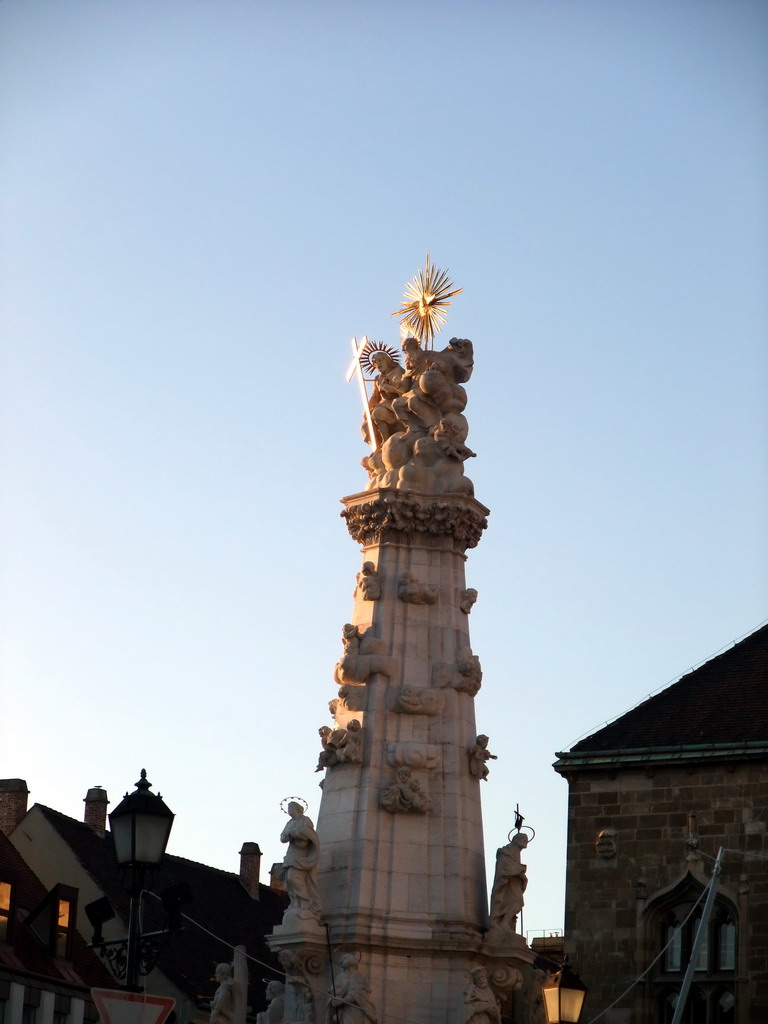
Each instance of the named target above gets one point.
<point>403,932</point>
<point>406,875</point>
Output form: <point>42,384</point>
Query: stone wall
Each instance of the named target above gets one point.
<point>615,881</point>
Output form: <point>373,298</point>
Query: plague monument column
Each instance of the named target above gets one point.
<point>389,919</point>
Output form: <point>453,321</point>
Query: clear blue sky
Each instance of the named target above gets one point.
<point>202,202</point>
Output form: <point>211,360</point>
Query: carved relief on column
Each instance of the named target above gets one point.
<point>464,674</point>
<point>298,964</point>
<point>413,591</point>
<point>368,582</point>
<point>340,745</point>
<point>364,655</point>
<point>413,700</point>
<point>413,755</point>
<point>405,795</point>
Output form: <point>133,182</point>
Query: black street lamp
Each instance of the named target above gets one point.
<point>564,996</point>
<point>140,826</point>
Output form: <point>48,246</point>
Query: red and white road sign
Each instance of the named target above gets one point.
<point>116,1006</point>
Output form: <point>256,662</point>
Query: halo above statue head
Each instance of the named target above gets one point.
<point>292,800</point>
<point>522,828</point>
<point>370,349</point>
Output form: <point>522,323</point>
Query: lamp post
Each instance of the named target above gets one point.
<point>140,826</point>
<point>564,996</point>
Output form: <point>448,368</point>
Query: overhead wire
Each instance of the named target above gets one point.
<point>315,988</point>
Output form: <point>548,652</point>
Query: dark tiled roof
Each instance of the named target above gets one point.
<point>725,701</point>
<point>24,954</point>
<point>219,903</point>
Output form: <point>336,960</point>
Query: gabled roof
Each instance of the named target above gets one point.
<point>220,904</point>
<point>24,954</point>
<point>722,707</point>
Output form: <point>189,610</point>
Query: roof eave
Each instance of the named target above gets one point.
<point>593,760</point>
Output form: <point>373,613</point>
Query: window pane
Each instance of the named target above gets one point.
<point>63,913</point>
<point>703,957</point>
<point>5,896</point>
<point>673,938</point>
<point>726,953</point>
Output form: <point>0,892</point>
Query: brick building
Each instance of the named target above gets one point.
<point>46,972</point>
<point>226,908</point>
<point>652,798</point>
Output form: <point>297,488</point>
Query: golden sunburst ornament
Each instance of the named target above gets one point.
<point>425,300</point>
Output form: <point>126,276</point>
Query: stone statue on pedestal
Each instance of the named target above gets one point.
<point>228,1005</point>
<point>299,868</point>
<point>275,1011</point>
<point>482,1005</point>
<point>221,1004</point>
<point>352,1002</point>
<point>509,884</point>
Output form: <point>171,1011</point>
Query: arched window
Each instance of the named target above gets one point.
<point>673,920</point>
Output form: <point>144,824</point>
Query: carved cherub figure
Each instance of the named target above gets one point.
<point>333,741</point>
<point>478,755</point>
<point>350,637</point>
<point>470,675</point>
<point>351,751</point>
<point>368,582</point>
<point>405,794</point>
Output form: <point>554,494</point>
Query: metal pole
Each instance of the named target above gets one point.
<point>134,940</point>
<point>330,961</point>
<point>134,929</point>
<point>682,999</point>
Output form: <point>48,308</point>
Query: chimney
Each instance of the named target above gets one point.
<point>250,865</point>
<point>13,803</point>
<point>96,809</point>
<point>276,877</point>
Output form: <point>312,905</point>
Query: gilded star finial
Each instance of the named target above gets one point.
<point>425,299</point>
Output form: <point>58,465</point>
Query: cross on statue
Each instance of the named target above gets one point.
<point>356,369</point>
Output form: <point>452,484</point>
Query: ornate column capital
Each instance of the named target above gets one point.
<point>447,521</point>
